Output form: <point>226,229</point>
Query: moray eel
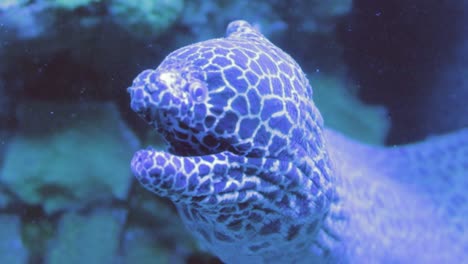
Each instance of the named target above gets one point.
<point>256,177</point>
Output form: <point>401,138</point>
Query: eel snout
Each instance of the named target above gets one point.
<point>159,95</point>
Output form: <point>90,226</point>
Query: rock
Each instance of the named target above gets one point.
<point>140,247</point>
<point>12,249</point>
<point>69,155</point>
<point>4,199</point>
<point>92,238</point>
<point>36,233</point>
<point>153,225</point>
<point>344,112</point>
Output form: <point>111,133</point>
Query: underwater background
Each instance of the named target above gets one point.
<point>384,72</point>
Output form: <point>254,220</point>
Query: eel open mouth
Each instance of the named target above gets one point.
<point>224,178</point>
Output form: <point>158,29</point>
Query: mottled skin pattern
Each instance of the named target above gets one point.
<point>249,165</point>
<point>403,204</point>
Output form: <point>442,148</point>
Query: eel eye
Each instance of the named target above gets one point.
<point>198,91</point>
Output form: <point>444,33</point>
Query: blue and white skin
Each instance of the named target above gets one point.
<point>257,179</point>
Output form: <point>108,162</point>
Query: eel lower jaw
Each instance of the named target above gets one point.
<point>184,179</point>
<point>220,180</point>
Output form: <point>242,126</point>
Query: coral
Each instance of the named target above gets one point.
<point>146,18</point>
<point>316,16</point>
<point>7,4</point>
<point>24,22</point>
<point>62,4</point>
<point>343,111</point>
<point>71,4</point>
<point>206,18</point>
<point>75,154</point>
<point>92,238</point>
<point>12,249</point>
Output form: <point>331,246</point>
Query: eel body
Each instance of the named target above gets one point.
<point>257,179</point>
